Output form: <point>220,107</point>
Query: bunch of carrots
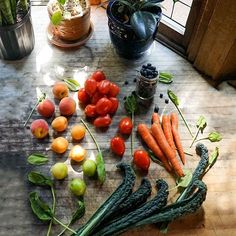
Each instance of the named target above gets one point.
<point>163,140</point>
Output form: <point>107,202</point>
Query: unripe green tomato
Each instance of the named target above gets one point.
<point>59,170</point>
<point>77,186</point>
<point>89,168</point>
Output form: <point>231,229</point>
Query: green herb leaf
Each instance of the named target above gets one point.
<point>39,179</point>
<point>131,104</point>
<point>56,17</point>
<point>37,159</point>
<point>40,208</point>
<point>214,136</point>
<point>201,123</point>
<point>165,78</point>
<point>154,158</point>
<point>79,212</point>
<point>62,1</point>
<point>185,180</point>
<point>213,157</point>
<point>173,97</point>
<point>100,168</point>
<point>72,84</point>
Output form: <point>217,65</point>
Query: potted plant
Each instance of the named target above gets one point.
<point>16,30</point>
<point>133,25</point>
<point>70,18</point>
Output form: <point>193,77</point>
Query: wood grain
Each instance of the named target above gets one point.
<point>18,80</point>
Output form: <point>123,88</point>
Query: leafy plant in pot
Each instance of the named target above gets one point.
<point>70,19</point>
<point>133,25</point>
<point>16,30</point>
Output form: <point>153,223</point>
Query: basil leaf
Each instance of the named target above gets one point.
<point>40,208</point>
<point>37,159</point>
<point>173,97</point>
<point>100,168</point>
<point>185,180</point>
<point>79,212</point>
<point>201,123</point>
<point>39,179</point>
<point>165,78</point>
<point>131,104</point>
<point>213,157</point>
<point>214,136</point>
<point>72,84</point>
<point>56,17</point>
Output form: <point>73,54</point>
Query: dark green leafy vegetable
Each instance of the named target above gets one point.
<point>110,205</point>
<point>175,101</point>
<point>144,211</point>
<point>212,159</point>
<point>165,78</point>
<point>37,159</point>
<point>39,179</point>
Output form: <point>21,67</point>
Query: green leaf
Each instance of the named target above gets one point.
<point>213,157</point>
<point>173,97</point>
<point>62,1</point>
<point>39,179</point>
<point>131,104</point>
<point>127,5</point>
<point>37,159</point>
<point>56,17</point>
<point>100,168</point>
<point>40,208</point>
<point>143,23</point>
<point>79,212</point>
<point>214,136</point>
<point>72,84</point>
<point>154,158</point>
<point>165,78</point>
<point>201,123</point>
<point>40,95</point>
<point>185,180</point>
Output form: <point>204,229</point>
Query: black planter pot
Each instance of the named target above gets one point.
<point>17,41</point>
<point>125,41</point>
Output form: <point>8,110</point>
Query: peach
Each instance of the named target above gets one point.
<point>59,145</point>
<point>78,132</point>
<point>67,106</point>
<point>60,90</point>
<point>39,128</point>
<point>46,108</point>
<point>60,123</point>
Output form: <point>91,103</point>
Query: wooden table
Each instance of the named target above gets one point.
<point>18,80</point>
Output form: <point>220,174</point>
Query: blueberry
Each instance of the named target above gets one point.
<point>126,82</point>
<point>156,109</point>
<point>145,73</point>
<point>125,98</point>
<point>149,64</point>
<point>161,95</point>
<point>153,68</point>
<point>135,80</point>
<point>144,67</point>
<point>166,100</point>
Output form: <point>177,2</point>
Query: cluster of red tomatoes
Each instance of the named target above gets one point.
<point>99,97</point>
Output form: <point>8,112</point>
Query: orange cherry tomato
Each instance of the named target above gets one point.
<point>113,90</point>
<point>118,146</point>
<point>83,96</point>
<point>103,106</point>
<point>102,121</point>
<point>115,104</point>
<point>125,125</point>
<point>90,86</point>
<point>141,159</point>
<point>98,76</point>
<point>90,111</point>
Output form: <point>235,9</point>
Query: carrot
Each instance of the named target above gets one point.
<point>147,137</point>
<point>166,125</point>
<point>166,149</point>
<point>175,124</point>
<point>155,118</point>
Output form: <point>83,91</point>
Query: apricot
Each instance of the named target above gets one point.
<point>46,108</point>
<point>77,153</point>
<point>59,124</point>
<point>78,132</point>
<point>59,145</point>
<point>39,128</point>
<point>67,106</point>
<point>60,90</point>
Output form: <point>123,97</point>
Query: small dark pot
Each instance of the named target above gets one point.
<point>17,41</point>
<point>123,37</point>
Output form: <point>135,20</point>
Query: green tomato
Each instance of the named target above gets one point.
<point>77,186</point>
<point>59,170</point>
<point>89,168</point>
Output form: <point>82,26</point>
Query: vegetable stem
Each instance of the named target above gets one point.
<point>63,225</point>
<point>205,138</point>
<point>31,113</point>
<point>53,209</point>
<point>132,135</point>
<point>195,137</point>
<point>64,229</point>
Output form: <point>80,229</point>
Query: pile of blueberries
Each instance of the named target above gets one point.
<point>149,71</point>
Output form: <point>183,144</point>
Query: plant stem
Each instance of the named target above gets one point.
<point>95,141</point>
<point>63,225</point>
<point>195,137</point>
<point>132,135</point>
<point>36,104</point>
<point>205,138</point>
<point>64,229</point>
<point>53,209</point>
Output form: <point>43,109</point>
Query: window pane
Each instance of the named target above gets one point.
<point>167,7</point>
<point>181,13</point>
<point>188,2</point>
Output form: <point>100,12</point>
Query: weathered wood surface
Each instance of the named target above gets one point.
<point>18,81</point>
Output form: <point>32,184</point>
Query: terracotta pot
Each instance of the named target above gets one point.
<point>74,29</point>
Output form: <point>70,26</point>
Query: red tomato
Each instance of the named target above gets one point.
<point>98,75</point>
<point>102,121</point>
<point>90,111</point>
<point>104,87</point>
<point>96,97</point>
<point>83,96</point>
<point>103,106</point>
<point>141,159</point>
<point>115,104</point>
<point>125,125</point>
<point>114,90</point>
<point>117,145</point>
<point>90,86</point>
